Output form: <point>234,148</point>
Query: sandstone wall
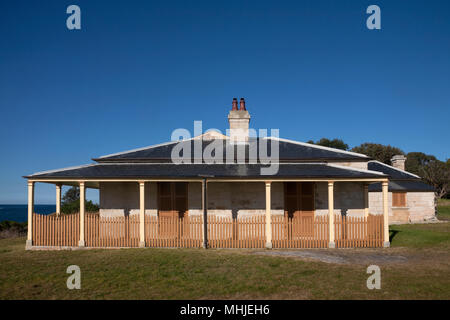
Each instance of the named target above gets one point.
<point>228,199</point>
<point>420,206</point>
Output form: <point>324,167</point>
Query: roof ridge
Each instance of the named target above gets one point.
<point>319,147</point>
<point>404,171</point>
<point>203,163</point>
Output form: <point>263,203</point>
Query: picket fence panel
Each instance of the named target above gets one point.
<point>223,232</point>
<point>245,232</point>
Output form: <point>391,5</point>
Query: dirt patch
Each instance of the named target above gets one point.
<point>340,256</point>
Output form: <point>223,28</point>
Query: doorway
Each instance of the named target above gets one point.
<point>172,208</point>
<point>299,208</point>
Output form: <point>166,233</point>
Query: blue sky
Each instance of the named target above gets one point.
<point>139,69</point>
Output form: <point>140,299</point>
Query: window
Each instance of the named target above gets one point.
<point>399,199</point>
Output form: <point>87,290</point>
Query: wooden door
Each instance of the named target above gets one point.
<point>172,205</point>
<point>299,207</point>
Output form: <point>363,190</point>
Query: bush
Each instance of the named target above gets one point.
<point>12,229</point>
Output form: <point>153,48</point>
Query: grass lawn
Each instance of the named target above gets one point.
<point>235,274</point>
<point>423,235</point>
<point>444,209</point>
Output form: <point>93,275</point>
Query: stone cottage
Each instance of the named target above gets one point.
<point>239,176</point>
<point>410,199</point>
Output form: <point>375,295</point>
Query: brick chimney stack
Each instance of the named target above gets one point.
<point>239,122</point>
<point>398,161</point>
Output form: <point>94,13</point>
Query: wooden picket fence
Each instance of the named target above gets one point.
<point>359,232</point>
<point>299,232</point>
<point>184,232</point>
<point>110,232</point>
<point>53,230</point>
<point>223,232</point>
<point>245,232</point>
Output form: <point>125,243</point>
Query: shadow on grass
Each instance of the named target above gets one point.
<point>392,234</point>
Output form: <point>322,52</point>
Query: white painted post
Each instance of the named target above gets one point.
<point>386,214</point>
<point>29,242</point>
<point>331,243</point>
<point>58,199</point>
<point>268,216</point>
<point>205,212</point>
<point>141,214</point>
<point>81,243</point>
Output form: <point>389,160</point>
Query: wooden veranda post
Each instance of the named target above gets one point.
<point>141,214</point>
<point>366,200</point>
<point>58,199</point>
<point>385,214</point>
<point>29,242</point>
<point>205,213</point>
<point>268,216</point>
<point>82,243</point>
<point>331,243</point>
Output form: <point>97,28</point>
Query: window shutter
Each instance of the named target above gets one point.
<point>399,199</point>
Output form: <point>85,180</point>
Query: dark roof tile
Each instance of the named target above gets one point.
<point>141,170</point>
<point>403,185</point>
<point>288,151</point>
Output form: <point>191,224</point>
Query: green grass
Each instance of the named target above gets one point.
<point>225,274</point>
<point>421,235</point>
<point>443,209</point>
<point>424,235</point>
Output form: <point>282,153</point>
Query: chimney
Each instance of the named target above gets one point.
<point>239,122</point>
<point>398,161</point>
<point>234,107</point>
<point>242,105</point>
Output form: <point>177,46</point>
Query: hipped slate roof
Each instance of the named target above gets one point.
<point>169,170</point>
<point>291,151</point>
<point>399,180</point>
<point>393,173</point>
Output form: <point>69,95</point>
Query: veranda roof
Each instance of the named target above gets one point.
<point>171,170</point>
<point>399,180</point>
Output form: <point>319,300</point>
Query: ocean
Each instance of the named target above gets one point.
<point>19,212</point>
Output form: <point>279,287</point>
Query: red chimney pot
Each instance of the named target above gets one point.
<point>242,104</point>
<point>234,107</point>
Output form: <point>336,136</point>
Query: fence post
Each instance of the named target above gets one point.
<point>82,243</point>
<point>331,243</point>
<point>141,214</point>
<point>29,242</point>
<point>268,216</point>
<point>385,214</point>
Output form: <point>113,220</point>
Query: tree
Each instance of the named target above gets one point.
<point>415,161</point>
<point>335,143</point>
<point>378,152</point>
<point>71,202</point>
<point>437,173</point>
<point>71,195</point>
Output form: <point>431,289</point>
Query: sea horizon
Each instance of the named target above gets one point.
<point>19,212</point>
